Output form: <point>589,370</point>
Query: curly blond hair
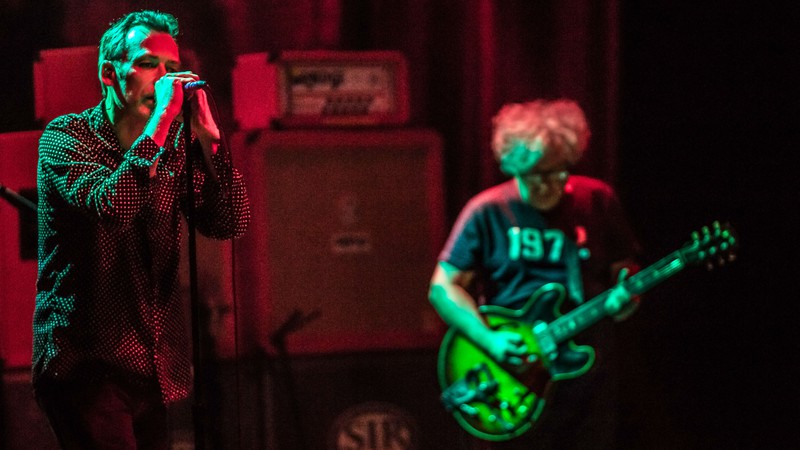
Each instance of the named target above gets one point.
<point>525,133</point>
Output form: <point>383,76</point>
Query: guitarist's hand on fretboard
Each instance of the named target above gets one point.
<point>621,304</point>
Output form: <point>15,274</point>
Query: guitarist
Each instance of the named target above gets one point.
<point>543,225</point>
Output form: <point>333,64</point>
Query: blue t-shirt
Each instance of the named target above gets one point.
<point>514,248</point>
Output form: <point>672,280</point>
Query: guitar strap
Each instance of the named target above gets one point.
<point>574,278</point>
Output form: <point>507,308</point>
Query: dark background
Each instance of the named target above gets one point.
<point>705,128</point>
<point>708,125</point>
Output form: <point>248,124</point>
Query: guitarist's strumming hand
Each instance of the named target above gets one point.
<point>507,347</point>
<point>618,304</point>
<point>449,295</point>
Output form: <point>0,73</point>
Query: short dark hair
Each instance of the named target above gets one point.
<point>113,44</point>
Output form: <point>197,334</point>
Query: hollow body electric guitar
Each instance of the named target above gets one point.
<point>498,402</point>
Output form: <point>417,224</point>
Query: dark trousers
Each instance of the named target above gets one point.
<point>104,415</point>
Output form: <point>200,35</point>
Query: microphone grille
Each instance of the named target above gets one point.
<point>194,85</point>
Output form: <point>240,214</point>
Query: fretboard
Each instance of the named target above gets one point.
<point>589,313</point>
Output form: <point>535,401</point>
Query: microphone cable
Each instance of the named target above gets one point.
<point>224,143</point>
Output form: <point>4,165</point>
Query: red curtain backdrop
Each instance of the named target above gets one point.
<point>466,58</point>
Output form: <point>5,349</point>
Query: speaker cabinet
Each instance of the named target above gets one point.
<point>345,231</point>
<point>373,400</point>
<point>65,81</point>
<point>383,400</point>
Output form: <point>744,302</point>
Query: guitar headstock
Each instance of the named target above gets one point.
<point>713,245</point>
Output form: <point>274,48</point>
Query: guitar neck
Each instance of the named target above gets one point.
<point>591,312</point>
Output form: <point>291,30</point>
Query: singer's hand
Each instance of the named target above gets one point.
<point>203,123</point>
<point>169,94</point>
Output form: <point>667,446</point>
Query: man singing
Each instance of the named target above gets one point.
<point>110,348</point>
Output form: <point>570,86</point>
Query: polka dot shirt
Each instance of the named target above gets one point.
<point>109,247</point>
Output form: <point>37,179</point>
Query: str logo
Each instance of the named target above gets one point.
<point>373,426</point>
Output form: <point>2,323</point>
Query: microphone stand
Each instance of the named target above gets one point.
<point>198,408</point>
<point>296,320</point>
<point>24,206</point>
<point>19,202</point>
<point>27,220</point>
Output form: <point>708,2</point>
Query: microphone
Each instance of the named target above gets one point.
<point>194,86</point>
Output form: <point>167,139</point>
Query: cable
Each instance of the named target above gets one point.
<point>234,298</point>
